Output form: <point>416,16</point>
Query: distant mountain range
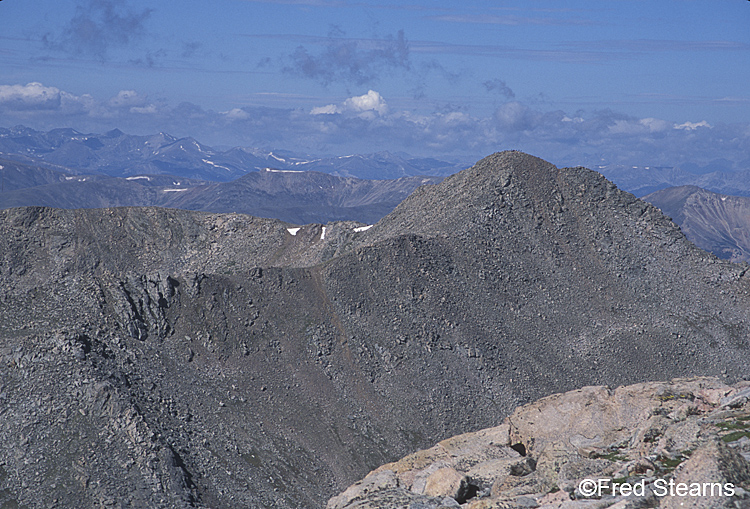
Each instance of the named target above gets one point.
<point>717,223</point>
<point>642,180</point>
<point>294,196</point>
<point>121,155</point>
<point>64,168</point>
<point>117,154</point>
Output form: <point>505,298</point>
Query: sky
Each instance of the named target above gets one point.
<point>586,82</point>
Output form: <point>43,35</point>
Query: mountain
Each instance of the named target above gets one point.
<point>168,358</point>
<point>302,197</point>
<point>643,180</point>
<point>380,165</point>
<point>120,155</point>
<point>717,223</point>
<point>15,175</point>
<point>298,197</point>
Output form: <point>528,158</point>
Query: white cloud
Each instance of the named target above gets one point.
<point>365,106</point>
<point>35,98</point>
<point>371,101</point>
<point>144,110</point>
<point>30,96</point>
<point>514,116</point>
<point>236,114</point>
<point>655,125</point>
<point>639,126</point>
<point>692,126</point>
<point>329,109</point>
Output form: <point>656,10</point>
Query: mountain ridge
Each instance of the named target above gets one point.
<point>121,155</point>
<point>298,197</point>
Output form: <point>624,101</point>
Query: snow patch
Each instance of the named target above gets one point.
<point>138,177</point>
<point>293,231</point>
<point>723,198</point>
<point>271,170</point>
<point>173,190</point>
<point>215,165</point>
<point>323,234</point>
<point>363,228</point>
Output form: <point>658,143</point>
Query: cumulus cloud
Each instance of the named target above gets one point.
<point>36,101</point>
<point>371,101</point>
<point>236,114</point>
<point>346,60</point>
<point>328,109</point>
<point>692,126</point>
<point>98,26</point>
<point>639,126</point>
<point>144,110</point>
<point>32,96</point>
<point>365,106</point>
<point>35,97</point>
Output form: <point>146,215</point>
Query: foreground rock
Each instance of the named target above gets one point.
<point>647,435</point>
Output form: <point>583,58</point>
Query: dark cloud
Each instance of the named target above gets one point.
<point>98,26</point>
<point>351,61</point>
<point>189,49</point>
<point>498,86</point>
<point>150,59</point>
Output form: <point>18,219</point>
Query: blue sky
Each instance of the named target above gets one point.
<point>577,82</point>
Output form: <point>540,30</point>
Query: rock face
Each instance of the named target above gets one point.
<point>159,358</point>
<point>686,431</point>
<point>717,223</point>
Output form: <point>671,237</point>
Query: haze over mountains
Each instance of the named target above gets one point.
<point>293,196</point>
<point>642,180</point>
<point>169,358</point>
<point>120,155</point>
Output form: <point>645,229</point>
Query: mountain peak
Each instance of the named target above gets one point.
<point>114,133</point>
<point>500,186</point>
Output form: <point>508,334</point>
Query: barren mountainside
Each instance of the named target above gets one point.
<point>168,358</point>
<point>714,222</point>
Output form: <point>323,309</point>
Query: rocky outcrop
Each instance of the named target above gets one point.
<point>546,454</point>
